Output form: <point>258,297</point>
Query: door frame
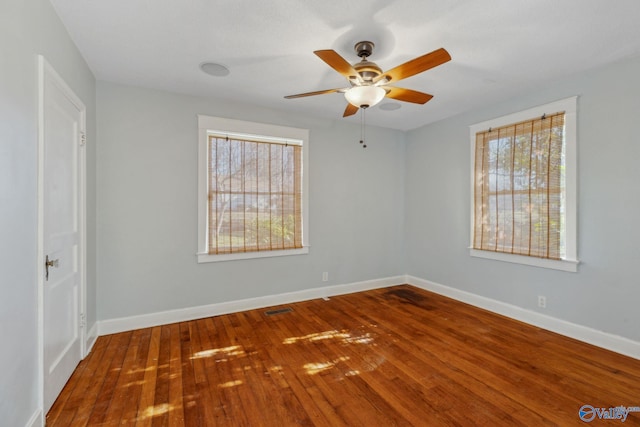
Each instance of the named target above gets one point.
<point>47,72</point>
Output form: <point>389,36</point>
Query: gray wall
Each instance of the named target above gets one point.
<point>604,294</point>
<point>147,182</point>
<point>147,206</point>
<point>28,28</point>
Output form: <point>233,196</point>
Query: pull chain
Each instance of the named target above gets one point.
<point>362,127</point>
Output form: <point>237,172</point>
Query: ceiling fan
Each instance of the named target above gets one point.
<point>369,85</point>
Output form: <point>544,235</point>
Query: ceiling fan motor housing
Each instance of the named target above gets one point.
<point>367,69</point>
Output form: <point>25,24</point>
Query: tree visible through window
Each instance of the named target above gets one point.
<point>519,188</point>
<point>255,194</point>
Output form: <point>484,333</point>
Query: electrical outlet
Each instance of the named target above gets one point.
<point>542,301</point>
<point>325,276</point>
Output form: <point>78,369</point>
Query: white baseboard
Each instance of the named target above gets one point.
<point>598,338</point>
<point>605,340</point>
<point>122,324</point>
<point>36,419</point>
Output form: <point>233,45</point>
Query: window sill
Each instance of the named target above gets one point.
<point>205,257</point>
<point>563,265</point>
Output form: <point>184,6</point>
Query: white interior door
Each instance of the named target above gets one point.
<point>61,231</point>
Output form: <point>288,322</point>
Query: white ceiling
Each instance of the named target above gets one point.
<point>499,48</point>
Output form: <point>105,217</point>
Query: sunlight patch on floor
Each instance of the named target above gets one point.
<point>362,339</point>
<point>135,383</point>
<point>230,384</point>
<point>316,368</point>
<point>140,370</point>
<point>231,351</point>
<point>153,411</point>
<point>344,336</point>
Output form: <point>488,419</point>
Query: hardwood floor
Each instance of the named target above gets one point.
<point>395,356</point>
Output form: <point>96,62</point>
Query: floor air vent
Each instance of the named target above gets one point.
<point>278,311</point>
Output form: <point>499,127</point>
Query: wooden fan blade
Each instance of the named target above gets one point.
<point>338,63</point>
<point>407,95</point>
<point>350,110</point>
<point>320,92</point>
<point>416,66</point>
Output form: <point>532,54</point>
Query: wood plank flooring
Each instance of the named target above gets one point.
<point>398,356</point>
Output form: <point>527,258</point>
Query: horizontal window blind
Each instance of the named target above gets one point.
<point>255,195</point>
<point>519,188</point>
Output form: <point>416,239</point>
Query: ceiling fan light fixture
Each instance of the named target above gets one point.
<point>364,96</point>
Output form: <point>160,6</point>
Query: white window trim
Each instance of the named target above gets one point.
<point>216,125</point>
<point>569,106</point>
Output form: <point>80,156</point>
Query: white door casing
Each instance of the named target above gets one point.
<point>61,232</point>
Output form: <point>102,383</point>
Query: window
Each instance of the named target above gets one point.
<point>252,190</point>
<point>524,187</point>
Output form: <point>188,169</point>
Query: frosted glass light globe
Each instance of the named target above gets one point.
<point>364,96</point>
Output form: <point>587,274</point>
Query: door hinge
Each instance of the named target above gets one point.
<point>83,320</point>
<point>83,138</point>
